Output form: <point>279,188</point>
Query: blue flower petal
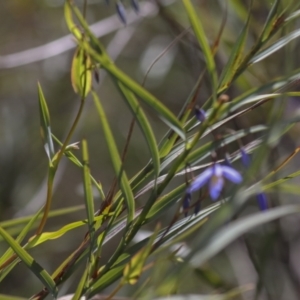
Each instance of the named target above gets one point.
<point>231,174</point>
<point>201,180</point>
<point>215,187</point>
<point>262,201</point>
<point>200,114</point>
<point>217,168</point>
<point>245,158</point>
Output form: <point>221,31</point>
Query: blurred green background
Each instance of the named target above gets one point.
<point>26,25</point>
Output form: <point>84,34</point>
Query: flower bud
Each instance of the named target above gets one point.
<point>200,114</point>
<point>121,12</point>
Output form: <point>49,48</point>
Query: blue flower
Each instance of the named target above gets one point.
<point>200,114</point>
<point>262,201</point>
<point>261,197</point>
<point>214,175</point>
<point>246,160</point>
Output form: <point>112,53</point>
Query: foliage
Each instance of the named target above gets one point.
<point>192,142</point>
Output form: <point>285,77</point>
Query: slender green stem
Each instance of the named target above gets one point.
<point>51,174</point>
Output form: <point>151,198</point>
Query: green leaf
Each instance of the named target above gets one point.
<point>9,254</point>
<point>53,213</point>
<point>77,162</point>
<point>204,151</point>
<point>269,22</point>
<point>40,273</point>
<point>234,230</point>
<point>202,40</point>
<point>116,160</point>
<point>275,47</point>
<point>69,20</point>
<point>45,125</point>
<point>178,231</point>
<point>281,180</point>
<point>163,112</point>
<point>81,73</point>
<point>46,236</point>
<point>78,292</point>
<point>234,60</point>
<point>21,236</point>
<point>144,125</point>
<point>7,297</point>
<point>134,268</point>
<point>89,201</point>
<point>96,44</point>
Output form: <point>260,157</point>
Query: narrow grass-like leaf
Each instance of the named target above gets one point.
<point>134,268</point>
<point>270,21</point>
<point>292,16</point>
<point>96,44</point>
<point>281,180</point>
<point>53,213</point>
<point>232,231</point>
<point>89,201</point>
<point>231,295</point>
<point>275,47</point>
<point>202,40</point>
<point>234,60</point>
<point>45,125</point>
<point>176,231</point>
<point>144,125</point>
<point>163,112</point>
<point>77,162</point>
<point>116,160</point>
<point>7,297</point>
<point>46,236</point>
<point>81,73</point>
<point>21,236</point>
<point>70,22</point>
<point>35,268</point>
<point>78,292</point>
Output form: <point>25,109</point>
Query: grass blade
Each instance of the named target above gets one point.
<point>234,60</point>
<point>144,125</point>
<point>89,201</point>
<point>45,125</point>
<point>275,47</point>
<point>102,57</point>
<point>232,231</point>
<point>163,112</point>
<point>116,160</point>
<point>40,273</point>
<point>202,40</point>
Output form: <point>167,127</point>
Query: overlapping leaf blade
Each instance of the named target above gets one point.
<point>116,160</point>
<point>234,60</point>
<point>35,268</point>
<point>144,125</point>
<point>232,231</point>
<point>45,125</point>
<point>202,40</point>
